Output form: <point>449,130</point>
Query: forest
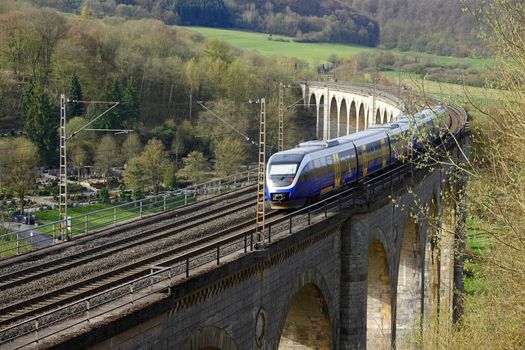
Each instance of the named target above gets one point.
<point>440,27</point>
<point>159,75</point>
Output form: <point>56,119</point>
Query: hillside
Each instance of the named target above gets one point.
<point>435,26</point>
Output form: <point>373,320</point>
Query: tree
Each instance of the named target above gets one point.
<point>131,147</point>
<point>134,176</point>
<point>149,170</point>
<point>75,94</point>
<point>18,164</point>
<point>194,166</point>
<point>39,125</point>
<point>230,154</point>
<point>106,156</point>
<point>177,146</point>
<point>156,164</point>
<point>130,111</point>
<point>78,156</point>
<point>113,118</point>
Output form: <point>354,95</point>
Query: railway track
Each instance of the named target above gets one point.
<point>92,285</point>
<point>33,261</point>
<point>17,311</point>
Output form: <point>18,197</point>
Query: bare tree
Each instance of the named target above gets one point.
<point>106,155</point>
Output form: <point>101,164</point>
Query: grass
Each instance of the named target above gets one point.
<point>99,218</point>
<point>477,244</point>
<point>448,91</point>
<point>313,53</point>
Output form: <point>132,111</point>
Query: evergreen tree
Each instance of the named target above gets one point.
<point>39,125</point>
<point>130,105</point>
<point>75,94</point>
<point>113,118</point>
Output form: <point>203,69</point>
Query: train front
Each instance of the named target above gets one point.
<point>281,179</point>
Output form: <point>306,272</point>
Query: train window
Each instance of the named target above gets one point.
<point>283,169</point>
<point>329,160</point>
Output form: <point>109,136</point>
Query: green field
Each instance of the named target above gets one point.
<point>455,92</point>
<point>99,218</point>
<point>313,53</point>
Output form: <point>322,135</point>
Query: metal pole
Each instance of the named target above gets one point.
<point>280,146</point>
<point>62,200</point>
<point>259,225</point>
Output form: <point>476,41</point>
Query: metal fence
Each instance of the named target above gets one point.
<point>19,242</point>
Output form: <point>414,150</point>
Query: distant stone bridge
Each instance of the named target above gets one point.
<point>342,109</point>
<point>372,266</point>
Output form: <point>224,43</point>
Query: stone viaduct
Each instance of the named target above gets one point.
<point>342,109</point>
<point>358,279</point>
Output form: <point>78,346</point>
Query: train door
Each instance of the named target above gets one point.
<point>364,159</point>
<point>384,153</point>
<point>337,170</point>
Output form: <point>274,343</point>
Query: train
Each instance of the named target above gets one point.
<point>300,176</point>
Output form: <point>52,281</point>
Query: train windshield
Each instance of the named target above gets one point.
<point>283,169</point>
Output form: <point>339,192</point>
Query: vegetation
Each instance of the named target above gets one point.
<point>495,200</point>
<point>194,166</point>
<point>18,167</point>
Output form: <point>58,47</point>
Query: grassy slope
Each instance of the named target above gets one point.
<point>313,53</point>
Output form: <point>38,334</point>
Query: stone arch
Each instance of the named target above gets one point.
<point>448,226</point>
<point>343,118</point>
<point>308,321</point>
<point>409,282</point>
<point>378,305</point>
<point>432,261</point>
<point>321,116</point>
<point>332,126</point>
<point>210,338</point>
<point>378,117</point>
<point>352,123</point>
<point>309,103</point>
<point>385,116</point>
<point>361,118</point>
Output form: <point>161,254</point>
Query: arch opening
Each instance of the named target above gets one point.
<point>361,118</point>
<point>385,117</point>
<point>378,305</point>
<point>320,119</point>
<point>378,116</point>
<point>307,324</point>
<point>409,291</point>
<point>311,101</point>
<point>333,125</point>
<point>352,123</point>
<point>343,119</point>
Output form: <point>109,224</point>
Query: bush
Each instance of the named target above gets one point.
<point>103,195</point>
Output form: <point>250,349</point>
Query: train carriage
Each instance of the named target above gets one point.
<point>314,168</point>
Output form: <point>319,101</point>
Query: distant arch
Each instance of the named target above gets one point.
<point>361,118</point>
<point>332,126</point>
<point>384,119</point>
<point>320,120</point>
<point>378,305</point>
<point>378,116</point>
<point>352,118</point>
<point>343,119</point>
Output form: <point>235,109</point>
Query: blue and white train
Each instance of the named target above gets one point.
<point>301,175</point>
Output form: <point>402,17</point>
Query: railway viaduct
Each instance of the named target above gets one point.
<point>357,271</point>
<point>342,108</point>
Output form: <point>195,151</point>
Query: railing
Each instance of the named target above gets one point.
<point>15,243</point>
<point>184,266</point>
